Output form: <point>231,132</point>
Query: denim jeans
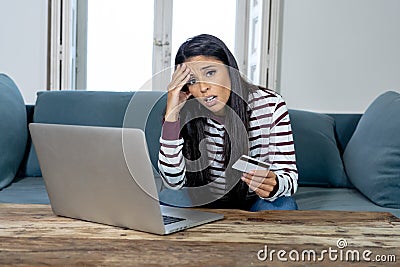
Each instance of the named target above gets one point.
<point>180,198</point>
<point>281,203</point>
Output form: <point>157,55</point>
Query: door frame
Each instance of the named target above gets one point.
<point>269,41</point>
<point>162,33</point>
<point>81,44</point>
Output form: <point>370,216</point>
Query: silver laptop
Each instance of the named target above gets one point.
<point>104,175</point>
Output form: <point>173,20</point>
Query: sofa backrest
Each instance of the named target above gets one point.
<point>345,125</point>
<point>320,139</point>
<point>108,109</point>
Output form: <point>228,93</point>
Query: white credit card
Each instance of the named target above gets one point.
<point>246,164</point>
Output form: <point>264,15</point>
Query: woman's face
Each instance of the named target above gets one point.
<point>210,83</point>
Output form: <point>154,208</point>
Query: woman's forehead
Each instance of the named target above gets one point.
<point>201,63</point>
<point>203,60</point>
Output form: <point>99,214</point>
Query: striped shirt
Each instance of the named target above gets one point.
<point>270,139</point>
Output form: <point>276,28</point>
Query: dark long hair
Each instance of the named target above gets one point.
<point>193,117</point>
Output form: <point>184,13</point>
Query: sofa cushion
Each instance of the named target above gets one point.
<point>349,199</point>
<point>25,190</point>
<point>345,125</point>
<point>372,156</point>
<point>13,131</point>
<point>93,108</point>
<point>317,155</point>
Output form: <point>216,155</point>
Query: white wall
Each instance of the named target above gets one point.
<point>338,55</point>
<point>23,44</point>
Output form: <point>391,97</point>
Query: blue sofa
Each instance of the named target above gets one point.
<point>327,147</point>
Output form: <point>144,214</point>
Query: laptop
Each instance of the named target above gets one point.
<point>104,175</point>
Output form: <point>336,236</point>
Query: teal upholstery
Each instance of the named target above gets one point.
<point>346,199</point>
<point>13,131</point>
<point>91,108</point>
<point>345,124</point>
<point>318,157</point>
<point>372,156</point>
<point>25,190</point>
<point>146,111</point>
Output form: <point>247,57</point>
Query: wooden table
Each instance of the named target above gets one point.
<point>30,235</point>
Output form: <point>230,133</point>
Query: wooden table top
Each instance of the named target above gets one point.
<point>31,235</point>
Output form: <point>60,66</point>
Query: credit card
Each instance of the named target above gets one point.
<point>246,164</point>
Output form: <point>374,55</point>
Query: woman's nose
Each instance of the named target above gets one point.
<point>204,87</point>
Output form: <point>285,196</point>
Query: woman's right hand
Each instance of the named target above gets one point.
<point>176,97</point>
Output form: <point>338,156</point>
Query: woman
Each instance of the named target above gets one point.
<point>213,116</point>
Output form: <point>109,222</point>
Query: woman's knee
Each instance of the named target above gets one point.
<point>281,203</point>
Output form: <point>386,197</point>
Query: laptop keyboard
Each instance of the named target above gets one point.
<point>170,219</point>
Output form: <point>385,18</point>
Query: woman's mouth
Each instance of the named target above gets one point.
<point>211,100</point>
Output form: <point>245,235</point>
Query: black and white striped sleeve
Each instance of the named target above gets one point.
<point>171,162</point>
<point>282,152</point>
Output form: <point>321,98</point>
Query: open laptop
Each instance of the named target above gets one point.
<point>104,175</point>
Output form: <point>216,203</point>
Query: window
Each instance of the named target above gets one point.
<point>121,44</point>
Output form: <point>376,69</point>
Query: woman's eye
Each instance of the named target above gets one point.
<point>192,81</point>
<point>210,73</point>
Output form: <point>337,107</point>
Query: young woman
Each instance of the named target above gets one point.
<point>213,116</point>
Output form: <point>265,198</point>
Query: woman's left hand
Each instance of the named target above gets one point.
<point>262,182</point>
